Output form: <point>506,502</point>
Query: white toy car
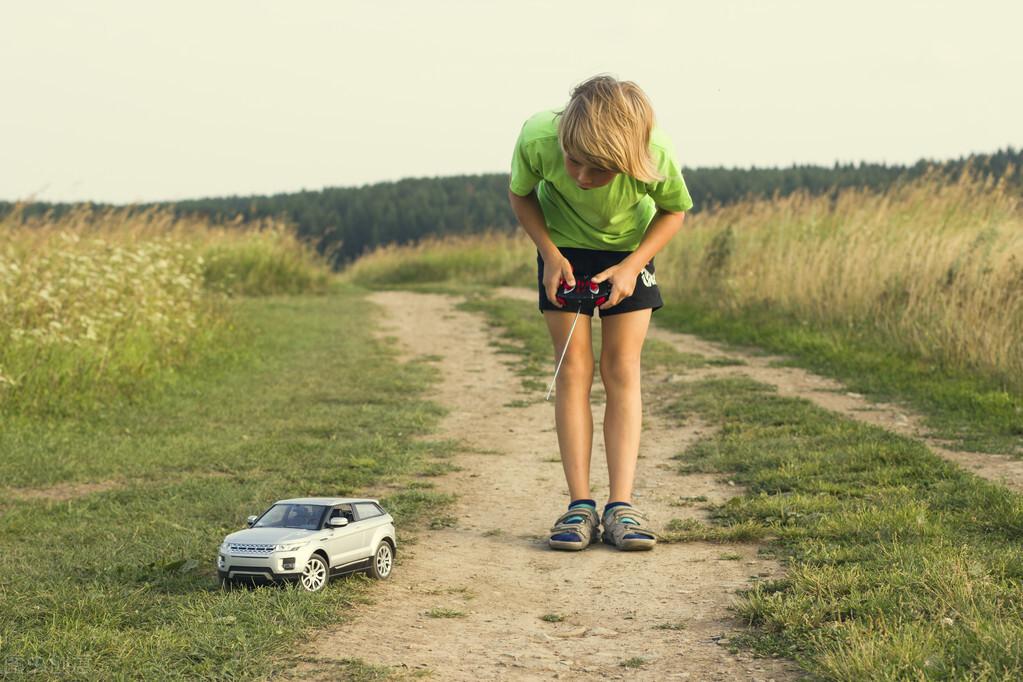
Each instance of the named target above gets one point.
<point>309,540</point>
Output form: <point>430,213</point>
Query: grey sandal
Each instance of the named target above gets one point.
<point>624,535</point>
<point>575,529</point>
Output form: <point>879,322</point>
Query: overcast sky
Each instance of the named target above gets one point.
<point>135,101</point>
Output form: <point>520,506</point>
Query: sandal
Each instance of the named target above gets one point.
<point>575,529</point>
<point>624,527</point>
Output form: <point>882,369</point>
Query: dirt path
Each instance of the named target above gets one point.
<point>467,602</point>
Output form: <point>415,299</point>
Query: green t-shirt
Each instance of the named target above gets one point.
<point>609,218</point>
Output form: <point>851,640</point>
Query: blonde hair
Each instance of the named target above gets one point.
<point>607,124</point>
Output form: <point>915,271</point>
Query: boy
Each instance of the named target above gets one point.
<point>598,190</point>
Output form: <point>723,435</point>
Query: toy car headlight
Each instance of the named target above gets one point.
<point>289,548</point>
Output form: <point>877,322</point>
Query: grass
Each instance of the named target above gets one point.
<point>122,583</point>
<point>357,670</point>
<point>688,500</point>
<point>692,530</point>
<point>965,408</point>
<point>935,268</point>
<point>439,612</point>
<point>899,565</point>
<point>634,662</point>
<point>440,522</point>
<point>913,295</point>
<point>672,625</point>
<point>493,259</point>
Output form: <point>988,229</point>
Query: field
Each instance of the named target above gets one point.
<point>162,377</point>
<point>124,465</point>
<point>914,295</point>
<point>98,305</point>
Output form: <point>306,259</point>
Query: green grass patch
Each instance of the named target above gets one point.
<point>439,522</point>
<point>688,500</point>
<point>671,625</point>
<point>634,662</point>
<point>693,530</point>
<point>972,412</point>
<point>355,670</point>
<point>444,613</point>
<point>657,353</point>
<point>899,564</point>
<point>122,584</point>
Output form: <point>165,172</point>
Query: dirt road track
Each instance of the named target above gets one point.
<point>467,602</point>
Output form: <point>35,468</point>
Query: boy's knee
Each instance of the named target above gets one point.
<point>577,370</point>
<point>619,371</point>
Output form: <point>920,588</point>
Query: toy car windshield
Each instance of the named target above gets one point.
<point>305,516</point>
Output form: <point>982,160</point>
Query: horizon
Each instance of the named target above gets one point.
<point>1011,149</point>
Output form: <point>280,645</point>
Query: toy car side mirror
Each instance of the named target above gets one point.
<point>337,522</point>
<point>251,520</point>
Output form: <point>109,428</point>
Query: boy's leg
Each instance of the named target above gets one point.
<point>572,414</point>
<point>623,337</point>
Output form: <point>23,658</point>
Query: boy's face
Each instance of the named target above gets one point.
<point>587,177</point>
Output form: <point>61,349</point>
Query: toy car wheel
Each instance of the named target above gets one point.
<point>314,575</point>
<point>383,561</point>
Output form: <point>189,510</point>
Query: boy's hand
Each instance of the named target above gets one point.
<point>623,283</point>
<point>556,271</point>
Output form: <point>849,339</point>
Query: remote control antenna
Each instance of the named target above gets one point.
<point>563,351</point>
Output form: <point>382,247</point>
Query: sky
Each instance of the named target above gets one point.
<point>125,101</point>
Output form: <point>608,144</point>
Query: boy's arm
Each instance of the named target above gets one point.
<point>623,276</point>
<point>555,266</point>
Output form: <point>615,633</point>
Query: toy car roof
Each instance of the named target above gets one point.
<point>326,501</point>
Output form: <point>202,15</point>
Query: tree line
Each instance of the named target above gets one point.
<point>344,222</point>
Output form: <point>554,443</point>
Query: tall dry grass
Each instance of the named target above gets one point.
<point>494,258</point>
<point>93,303</point>
<point>932,267</point>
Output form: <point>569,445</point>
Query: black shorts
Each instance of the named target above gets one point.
<point>587,263</point>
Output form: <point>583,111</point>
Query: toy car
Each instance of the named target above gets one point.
<point>309,540</point>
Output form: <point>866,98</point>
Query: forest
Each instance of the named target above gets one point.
<point>345,222</point>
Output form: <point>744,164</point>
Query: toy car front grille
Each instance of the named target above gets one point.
<point>251,550</point>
